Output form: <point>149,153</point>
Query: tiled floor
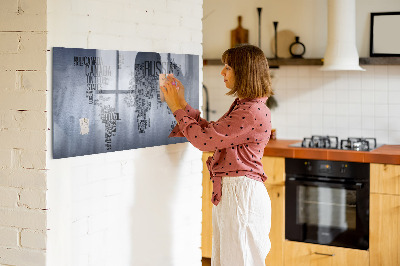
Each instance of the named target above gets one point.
<point>206,261</point>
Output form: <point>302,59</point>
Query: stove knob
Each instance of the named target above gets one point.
<point>343,168</point>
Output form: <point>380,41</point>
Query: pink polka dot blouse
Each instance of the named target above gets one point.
<point>238,139</point>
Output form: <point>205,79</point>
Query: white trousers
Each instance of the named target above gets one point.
<point>241,223</point>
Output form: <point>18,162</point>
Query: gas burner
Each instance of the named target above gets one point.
<point>327,142</point>
<point>358,144</point>
<point>332,142</point>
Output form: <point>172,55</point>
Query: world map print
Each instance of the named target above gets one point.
<point>109,100</point>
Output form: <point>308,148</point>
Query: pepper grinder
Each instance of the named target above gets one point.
<point>259,26</point>
<point>276,39</point>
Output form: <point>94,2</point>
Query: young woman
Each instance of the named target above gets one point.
<point>242,209</point>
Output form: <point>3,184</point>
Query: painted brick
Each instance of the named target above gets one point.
<point>23,100</point>
<point>22,22</point>
<point>33,239</point>
<point>33,199</point>
<point>34,140</point>
<point>5,158</point>
<point>8,6</point>
<point>9,42</point>
<point>9,237</point>
<point>31,53</point>
<point>11,256</point>
<point>7,80</point>
<point>31,80</point>
<point>8,197</point>
<point>23,218</point>
<point>34,120</point>
<point>16,158</point>
<point>33,7</point>
<point>23,178</point>
<point>31,159</point>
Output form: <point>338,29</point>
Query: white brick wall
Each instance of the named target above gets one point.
<point>136,207</point>
<point>23,132</point>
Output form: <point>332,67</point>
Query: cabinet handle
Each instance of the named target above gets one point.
<point>324,254</point>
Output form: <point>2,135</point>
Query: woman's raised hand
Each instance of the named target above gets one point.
<point>174,93</point>
<point>181,89</point>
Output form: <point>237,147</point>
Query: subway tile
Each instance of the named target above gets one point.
<point>303,82</point>
<point>394,83</point>
<point>367,122</point>
<point>342,109</point>
<point>292,82</point>
<point>367,110</point>
<point>342,96</point>
<point>329,122</point>
<point>367,133</point>
<point>382,136</point>
<point>342,122</point>
<point>394,123</point>
<point>382,123</point>
<point>367,82</point>
<point>355,132</point>
<point>394,110</point>
<point>381,97</point>
<point>355,96</point>
<point>380,84</point>
<point>394,137</point>
<point>355,109</point>
<point>354,80</point>
<point>355,122</point>
<point>367,96</point>
<point>394,97</point>
<point>381,110</point>
<point>380,71</point>
<point>394,70</point>
<point>304,72</point>
<point>291,71</point>
<point>329,109</point>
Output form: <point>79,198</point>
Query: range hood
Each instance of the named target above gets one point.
<point>341,51</point>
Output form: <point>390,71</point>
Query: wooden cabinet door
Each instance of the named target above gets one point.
<point>206,232</point>
<point>277,233</point>
<point>274,168</point>
<point>385,178</point>
<point>305,254</point>
<point>384,236</point>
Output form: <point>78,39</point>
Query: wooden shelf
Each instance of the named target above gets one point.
<point>273,63</point>
<point>380,61</point>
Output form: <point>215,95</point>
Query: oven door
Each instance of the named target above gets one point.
<point>327,213</point>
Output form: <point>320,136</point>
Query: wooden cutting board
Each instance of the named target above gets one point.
<point>239,35</point>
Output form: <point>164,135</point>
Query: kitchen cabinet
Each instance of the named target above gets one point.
<point>385,214</point>
<point>206,225</point>
<point>274,168</point>
<point>305,254</point>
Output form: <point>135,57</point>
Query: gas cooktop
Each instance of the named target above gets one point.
<point>332,142</point>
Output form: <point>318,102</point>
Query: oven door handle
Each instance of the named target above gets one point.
<point>357,185</point>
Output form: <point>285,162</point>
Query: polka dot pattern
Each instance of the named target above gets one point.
<point>238,139</point>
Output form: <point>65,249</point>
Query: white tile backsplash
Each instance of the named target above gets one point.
<point>342,103</point>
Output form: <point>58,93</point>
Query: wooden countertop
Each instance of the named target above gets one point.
<point>389,154</point>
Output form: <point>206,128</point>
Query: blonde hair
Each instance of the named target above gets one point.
<point>250,66</point>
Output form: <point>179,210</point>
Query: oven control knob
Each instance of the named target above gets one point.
<point>308,166</point>
<point>343,168</point>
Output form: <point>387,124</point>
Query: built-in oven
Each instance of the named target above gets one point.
<point>327,202</point>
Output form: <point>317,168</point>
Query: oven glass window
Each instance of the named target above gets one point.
<point>327,207</point>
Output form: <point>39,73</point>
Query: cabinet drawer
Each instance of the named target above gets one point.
<point>385,178</point>
<point>305,254</point>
